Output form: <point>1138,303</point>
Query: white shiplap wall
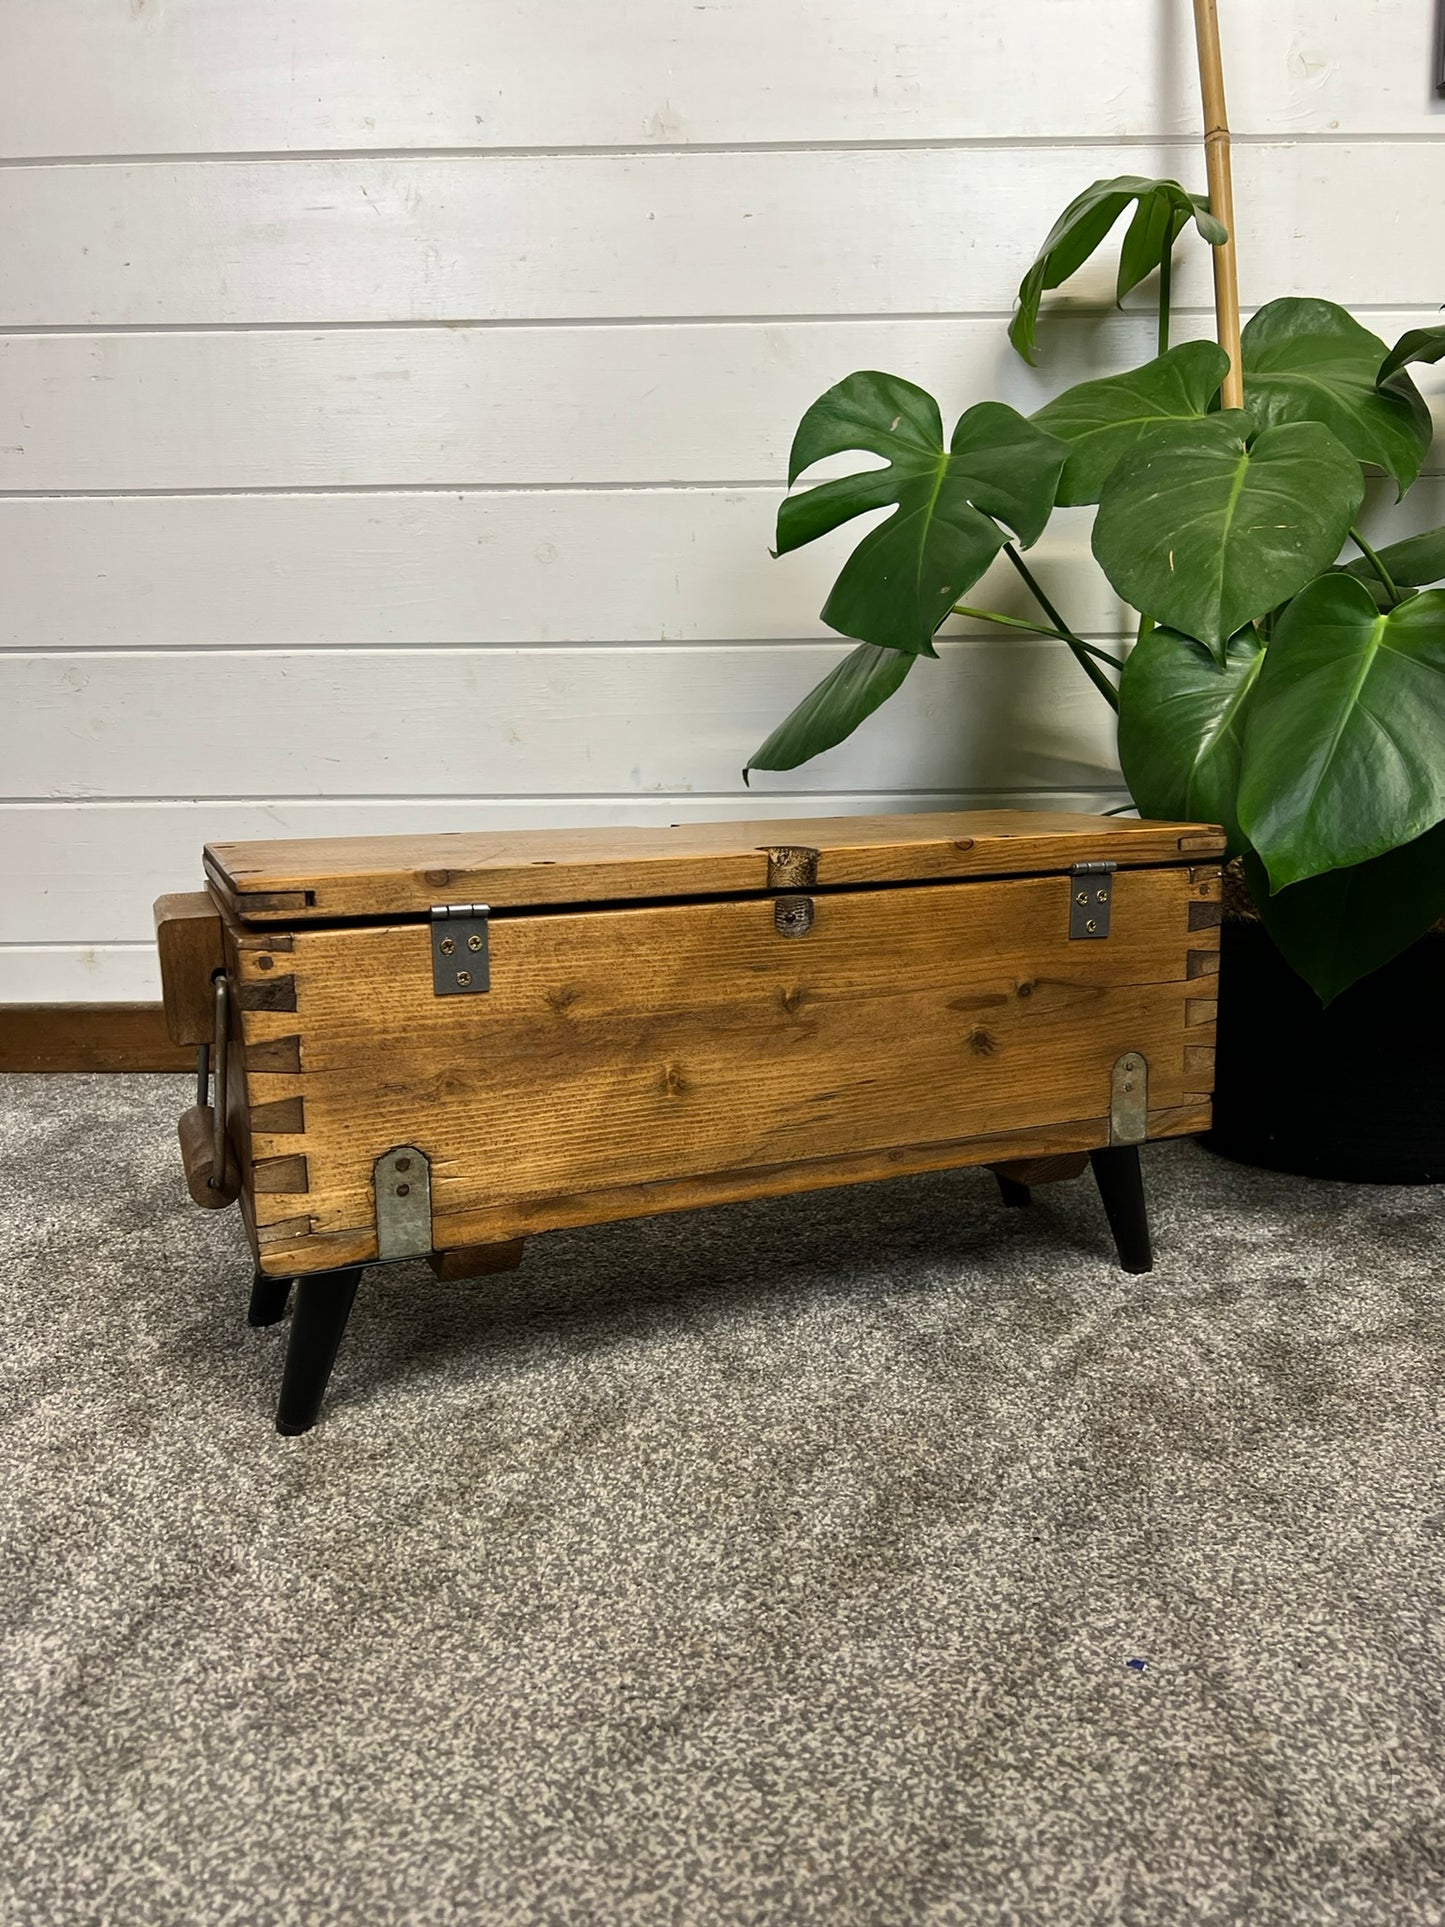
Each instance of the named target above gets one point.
<point>394,399</point>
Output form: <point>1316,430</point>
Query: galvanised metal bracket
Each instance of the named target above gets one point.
<point>1129,1099</point>
<point>402,1178</point>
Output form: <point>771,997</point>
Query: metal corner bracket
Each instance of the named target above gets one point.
<point>402,1177</point>
<point>1129,1099</point>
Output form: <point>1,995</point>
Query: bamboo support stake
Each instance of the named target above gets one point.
<point>1221,195</point>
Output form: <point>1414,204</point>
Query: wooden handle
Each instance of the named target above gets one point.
<point>197,1132</point>
<point>1221,195</point>
<point>188,936</point>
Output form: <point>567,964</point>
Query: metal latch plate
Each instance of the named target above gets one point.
<point>1091,892</point>
<point>792,916</point>
<point>1129,1100</point>
<point>460,952</point>
<point>792,866</point>
<point>403,1203</point>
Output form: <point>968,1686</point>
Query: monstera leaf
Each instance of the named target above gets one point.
<point>1181,727</point>
<point>1342,754</point>
<point>1310,361</point>
<point>905,575</point>
<point>1412,564</point>
<point>1204,532</point>
<point>1417,344</point>
<point>1163,208</point>
<point>1336,928</point>
<point>1103,421</point>
<point>842,700</point>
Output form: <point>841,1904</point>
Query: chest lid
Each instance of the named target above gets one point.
<point>314,880</point>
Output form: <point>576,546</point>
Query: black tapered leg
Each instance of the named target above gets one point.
<point>268,1299</point>
<point>1012,1192</point>
<point>323,1305</point>
<point>1121,1186</point>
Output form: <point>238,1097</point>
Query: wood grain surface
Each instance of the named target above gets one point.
<point>190,948</point>
<point>89,1037</point>
<point>300,881</point>
<point>635,1060</point>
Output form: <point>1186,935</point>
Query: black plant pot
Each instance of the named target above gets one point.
<point>1355,1090</point>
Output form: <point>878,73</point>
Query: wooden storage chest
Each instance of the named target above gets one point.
<point>437,1046</point>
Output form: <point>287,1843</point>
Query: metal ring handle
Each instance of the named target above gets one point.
<point>223,1017</point>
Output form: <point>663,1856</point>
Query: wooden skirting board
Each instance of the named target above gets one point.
<point>88,1037</point>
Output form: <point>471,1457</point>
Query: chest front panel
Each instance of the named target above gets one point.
<point>623,1055</point>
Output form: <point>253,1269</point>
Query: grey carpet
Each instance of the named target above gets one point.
<point>883,1556</point>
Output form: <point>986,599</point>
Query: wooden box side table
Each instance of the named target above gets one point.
<point>437,1047</point>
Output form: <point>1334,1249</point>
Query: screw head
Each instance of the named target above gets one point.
<point>474,943</point>
<point>1091,926</point>
<point>403,1164</point>
<point>464,977</point>
<point>403,1190</point>
<point>1082,897</point>
<point>448,945</point>
<point>1102,896</point>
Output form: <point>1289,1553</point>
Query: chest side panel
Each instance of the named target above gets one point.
<point>642,1047</point>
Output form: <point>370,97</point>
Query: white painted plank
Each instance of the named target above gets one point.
<point>755,233</point>
<point>191,76</point>
<point>986,715</point>
<point>446,570</point>
<point>524,406</point>
<point>103,972</point>
<point>554,566</point>
<point>74,872</point>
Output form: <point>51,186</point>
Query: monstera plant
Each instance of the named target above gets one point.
<point>1296,697</point>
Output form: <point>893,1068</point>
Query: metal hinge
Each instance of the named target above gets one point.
<point>460,960</point>
<point>1090,892</point>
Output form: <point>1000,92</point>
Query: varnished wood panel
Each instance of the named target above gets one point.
<point>285,1177</point>
<point>623,1053</point>
<point>477,1261</point>
<point>375,876</point>
<point>188,940</point>
<point>290,1247</point>
<point>274,1054</point>
<point>282,1115</point>
<point>89,1037</point>
<point>1053,1170</point>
